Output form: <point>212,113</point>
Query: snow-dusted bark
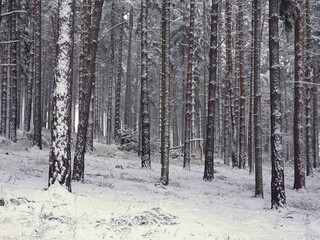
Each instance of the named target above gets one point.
<point>228,72</point>
<point>257,98</point>
<point>164,121</point>
<point>308,80</point>
<point>278,198</point>
<point>315,105</point>
<point>13,73</point>
<point>60,154</point>
<point>188,98</point>
<point>37,106</point>
<point>117,120</point>
<point>298,133</point>
<point>128,95</point>
<point>144,105</point>
<point>242,114</point>
<point>209,148</point>
<point>4,71</point>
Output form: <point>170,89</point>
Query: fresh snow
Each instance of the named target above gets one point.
<point>119,200</point>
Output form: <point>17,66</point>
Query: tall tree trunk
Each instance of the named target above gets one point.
<point>13,72</point>
<point>209,149</point>
<point>145,119</point>
<point>278,198</point>
<point>60,153</point>
<point>257,98</point>
<point>164,121</point>
<point>298,133</point>
<point>91,43</point>
<point>117,120</point>
<point>308,80</point>
<point>228,71</point>
<point>111,75</point>
<point>37,112</point>
<point>315,119</point>
<point>188,98</point>
<point>128,95</point>
<point>242,132</point>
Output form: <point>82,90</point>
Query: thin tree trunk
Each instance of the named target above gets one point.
<point>188,99</point>
<point>257,99</point>
<point>37,112</point>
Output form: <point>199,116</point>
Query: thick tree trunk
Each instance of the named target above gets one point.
<point>60,153</point>
<point>209,149</point>
<point>298,133</point>
<point>144,107</point>
<point>164,121</point>
<point>278,198</point>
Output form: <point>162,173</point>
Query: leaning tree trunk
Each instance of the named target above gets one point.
<point>298,133</point>
<point>60,153</point>
<point>37,114</point>
<point>278,198</point>
<point>209,148</point>
<point>188,98</point>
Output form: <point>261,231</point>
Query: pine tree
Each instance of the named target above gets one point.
<point>278,198</point>
<point>164,121</point>
<point>145,119</point>
<point>209,149</point>
<point>298,133</point>
<point>37,106</point>
<point>60,153</point>
<point>188,98</point>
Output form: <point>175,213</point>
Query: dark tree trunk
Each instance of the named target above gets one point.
<point>228,71</point>
<point>145,119</point>
<point>257,98</point>
<point>278,198</point>
<point>128,97</point>
<point>209,149</point>
<point>117,120</point>
<point>298,133</point>
<point>91,45</point>
<point>37,111</point>
<point>164,121</point>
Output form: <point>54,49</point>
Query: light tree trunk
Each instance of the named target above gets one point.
<point>188,98</point>
<point>60,153</point>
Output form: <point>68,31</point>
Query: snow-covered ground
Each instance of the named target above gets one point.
<point>119,200</point>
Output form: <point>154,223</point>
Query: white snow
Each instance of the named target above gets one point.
<point>119,200</point>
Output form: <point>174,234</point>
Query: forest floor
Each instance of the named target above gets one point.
<point>119,200</point>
